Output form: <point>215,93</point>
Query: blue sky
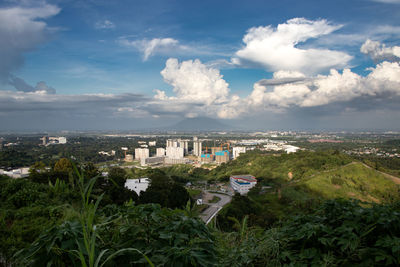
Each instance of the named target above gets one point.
<point>262,64</point>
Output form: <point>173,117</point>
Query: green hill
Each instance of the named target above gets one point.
<point>352,181</point>
<point>299,183</point>
<point>324,175</point>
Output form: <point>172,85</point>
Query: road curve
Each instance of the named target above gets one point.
<point>214,208</point>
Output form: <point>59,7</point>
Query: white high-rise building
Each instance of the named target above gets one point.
<point>175,152</point>
<point>237,151</point>
<point>196,147</point>
<point>179,143</point>
<point>160,152</point>
<point>141,153</point>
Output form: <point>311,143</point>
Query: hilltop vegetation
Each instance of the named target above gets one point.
<point>269,167</point>
<point>302,212</point>
<point>353,181</point>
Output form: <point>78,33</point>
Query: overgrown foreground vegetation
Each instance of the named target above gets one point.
<point>71,220</point>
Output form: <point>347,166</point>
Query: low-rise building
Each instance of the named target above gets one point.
<point>128,158</point>
<point>151,161</point>
<point>291,149</point>
<point>243,183</point>
<point>236,151</point>
<point>176,161</point>
<point>137,185</point>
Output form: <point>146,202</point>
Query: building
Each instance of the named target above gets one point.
<point>128,158</point>
<point>243,183</point>
<point>152,143</point>
<point>45,140</point>
<point>196,147</point>
<point>141,153</point>
<point>16,173</point>
<point>207,158</point>
<point>57,140</point>
<point>215,149</point>
<point>151,161</point>
<point>222,156</point>
<point>175,152</point>
<point>176,161</point>
<point>291,149</point>
<point>137,185</point>
<point>179,143</point>
<point>236,151</point>
<point>160,152</point>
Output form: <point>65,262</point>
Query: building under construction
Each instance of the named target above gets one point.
<point>219,154</point>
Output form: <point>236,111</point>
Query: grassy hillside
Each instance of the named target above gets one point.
<point>352,181</point>
<point>266,166</point>
<point>314,178</point>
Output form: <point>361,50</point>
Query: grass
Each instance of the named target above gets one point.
<point>193,192</point>
<point>353,181</point>
<point>215,199</point>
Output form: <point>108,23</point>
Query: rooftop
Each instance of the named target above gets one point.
<point>246,177</point>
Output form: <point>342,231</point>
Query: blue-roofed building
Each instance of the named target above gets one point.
<point>243,183</point>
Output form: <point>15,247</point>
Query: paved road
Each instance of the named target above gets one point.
<point>214,208</point>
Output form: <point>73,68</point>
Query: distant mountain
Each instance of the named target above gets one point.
<point>200,124</point>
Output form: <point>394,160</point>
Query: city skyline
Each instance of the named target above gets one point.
<point>100,65</point>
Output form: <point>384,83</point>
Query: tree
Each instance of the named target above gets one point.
<point>63,165</point>
<point>115,189</point>
<point>164,191</point>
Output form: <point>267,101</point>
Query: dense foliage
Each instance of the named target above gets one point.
<point>61,217</point>
<point>339,233</point>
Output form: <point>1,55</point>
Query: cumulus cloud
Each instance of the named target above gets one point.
<point>21,85</point>
<point>379,52</point>
<point>194,81</point>
<point>277,48</point>
<point>153,46</point>
<point>104,25</point>
<point>382,81</point>
<point>21,30</point>
<point>200,90</point>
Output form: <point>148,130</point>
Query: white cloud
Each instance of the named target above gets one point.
<point>104,25</point>
<point>277,49</point>
<point>388,1</point>
<point>21,30</point>
<point>333,87</point>
<point>194,81</point>
<point>379,52</point>
<point>382,81</point>
<point>153,46</point>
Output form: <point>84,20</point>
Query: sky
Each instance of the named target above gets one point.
<point>126,65</point>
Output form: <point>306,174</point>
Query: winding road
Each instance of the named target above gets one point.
<point>213,209</point>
